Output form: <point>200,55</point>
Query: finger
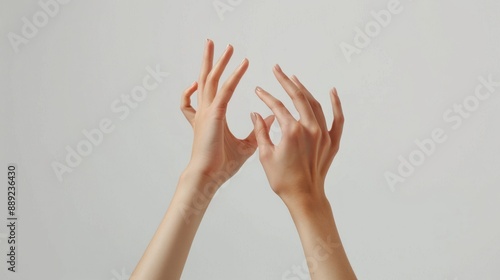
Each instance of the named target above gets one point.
<point>251,138</point>
<point>186,108</point>
<point>262,133</point>
<point>280,111</point>
<point>297,95</point>
<point>206,67</point>
<point>226,92</point>
<point>213,77</point>
<point>269,121</point>
<point>315,105</point>
<point>338,119</point>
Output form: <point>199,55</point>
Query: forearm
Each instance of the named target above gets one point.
<point>167,252</point>
<point>320,239</point>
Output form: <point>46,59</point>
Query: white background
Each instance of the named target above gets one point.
<point>440,223</point>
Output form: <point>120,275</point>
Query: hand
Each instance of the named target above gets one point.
<point>216,154</point>
<point>297,167</point>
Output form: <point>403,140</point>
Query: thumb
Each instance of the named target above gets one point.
<point>251,138</point>
<point>269,121</point>
<point>261,130</point>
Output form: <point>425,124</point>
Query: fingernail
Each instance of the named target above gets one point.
<point>277,67</point>
<point>334,90</point>
<point>258,89</point>
<point>294,78</point>
<point>253,116</point>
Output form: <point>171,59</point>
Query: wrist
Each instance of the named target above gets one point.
<point>306,204</point>
<point>197,181</point>
<point>313,216</point>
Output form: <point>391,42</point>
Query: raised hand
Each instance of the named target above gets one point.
<point>297,167</point>
<point>216,156</point>
<point>216,152</point>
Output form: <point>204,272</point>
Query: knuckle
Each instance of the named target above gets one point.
<point>298,95</point>
<point>260,131</point>
<point>184,105</point>
<point>230,89</point>
<point>278,191</point>
<point>315,131</point>
<point>211,77</point>
<point>277,104</point>
<point>294,129</point>
<point>335,148</point>
<point>188,92</point>
<point>316,105</point>
<point>327,140</point>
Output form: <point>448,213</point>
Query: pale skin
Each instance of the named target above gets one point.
<point>296,170</point>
